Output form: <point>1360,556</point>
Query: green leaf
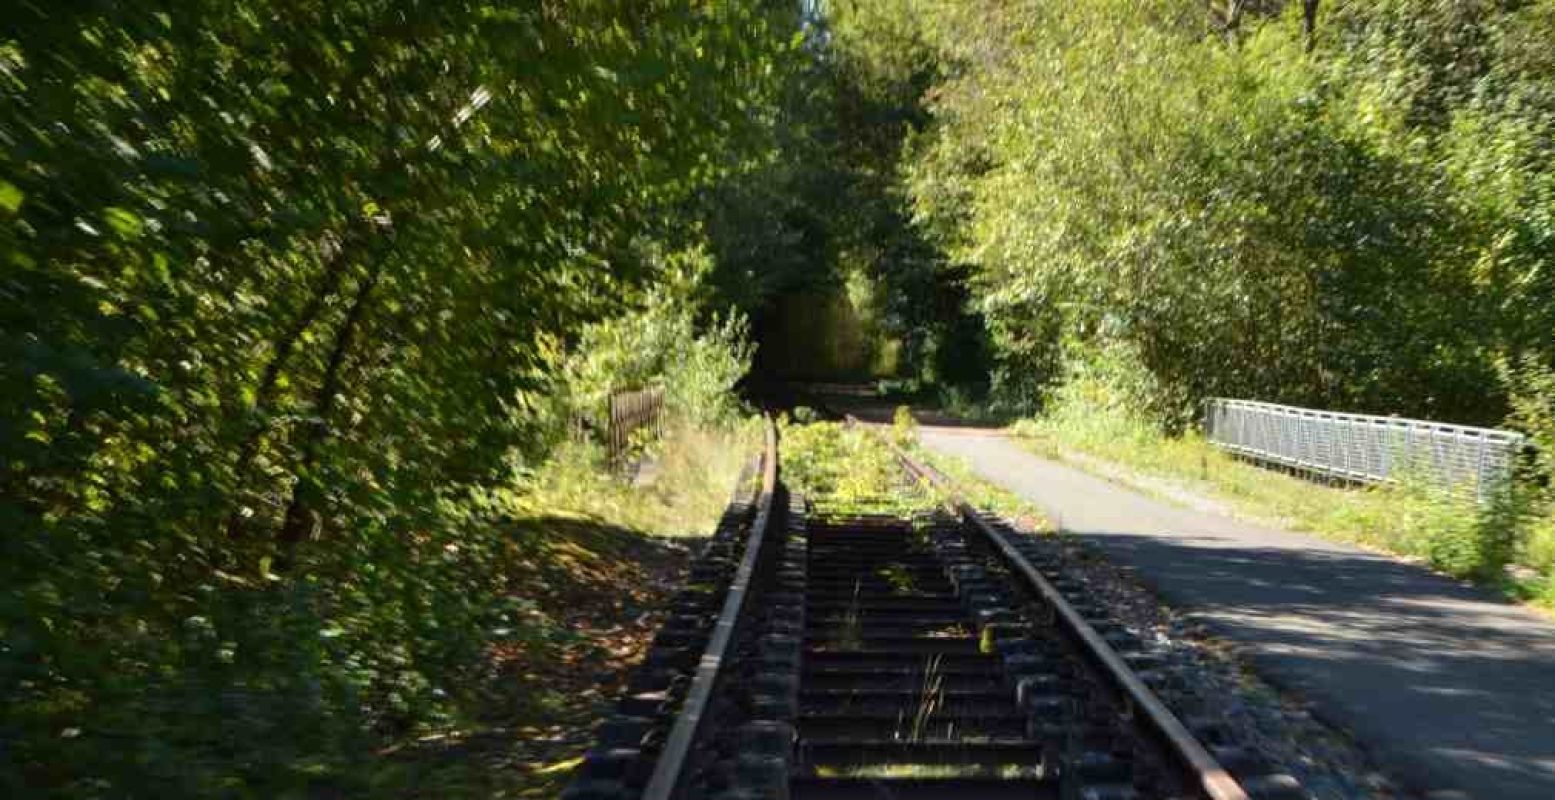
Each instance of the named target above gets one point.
<point>10,197</point>
<point>123,222</point>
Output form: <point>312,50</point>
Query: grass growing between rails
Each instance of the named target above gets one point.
<point>849,470</point>
<point>1507,543</point>
<point>844,470</point>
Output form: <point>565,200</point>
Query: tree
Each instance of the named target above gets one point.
<point>283,283</point>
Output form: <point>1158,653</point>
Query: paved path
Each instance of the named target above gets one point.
<point>1452,690</point>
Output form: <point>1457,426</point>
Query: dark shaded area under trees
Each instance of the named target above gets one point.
<point>287,292</point>
<point>820,246</point>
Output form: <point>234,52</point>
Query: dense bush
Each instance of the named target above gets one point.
<point>283,284</point>
<point>1358,217</point>
<point>662,344</point>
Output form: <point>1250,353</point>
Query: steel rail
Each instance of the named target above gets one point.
<point>669,769</point>
<point>1215,781</point>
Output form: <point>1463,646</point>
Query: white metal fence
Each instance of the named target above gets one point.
<point>1360,447</point>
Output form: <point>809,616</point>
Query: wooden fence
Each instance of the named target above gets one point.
<point>629,413</point>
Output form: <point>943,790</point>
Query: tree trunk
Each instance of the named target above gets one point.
<point>300,512</point>
<point>1309,22</point>
<point>1233,18</point>
<point>335,268</point>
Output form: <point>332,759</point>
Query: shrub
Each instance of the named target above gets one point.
<point>658,344</point>
<point>904,429</point>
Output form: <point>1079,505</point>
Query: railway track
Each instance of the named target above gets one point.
<point>943,656</point>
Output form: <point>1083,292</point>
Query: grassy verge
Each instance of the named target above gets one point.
<point>985,495</point>
<point>686,481</point>
<point>1449,532</point>
<point>592,559</point>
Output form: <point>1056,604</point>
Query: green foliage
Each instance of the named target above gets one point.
<point>820,247</point>
<point>1532,395</point>
<point>904,428</point>
<point>1532,390</point>
<point>1106,387</point>
<point>661,344</point>
<point>847,470</point>
<point>282,285</point>
<point>1158,204</point>
<point>1363,226</point>
<point>693,470</point>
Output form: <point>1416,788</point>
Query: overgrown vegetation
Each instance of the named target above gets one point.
<point>1450,530</point>
<point>844,470</point>
<point>297,299</point>
<point>693,471</point>
<point>819,245</point>
<point>1335,204</point>
<point>1348,211</point>
<point>590,587</point>
<point>849,470</point>
<point>307,305</point>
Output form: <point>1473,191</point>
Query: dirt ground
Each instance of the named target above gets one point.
<point>596,595</point>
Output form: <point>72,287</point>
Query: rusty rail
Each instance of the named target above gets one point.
<point>1207,773</point>
<point>669,770</point>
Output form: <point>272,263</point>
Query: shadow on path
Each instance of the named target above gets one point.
<point>1451,687</point>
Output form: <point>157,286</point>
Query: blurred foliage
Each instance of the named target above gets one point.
<point>297,296</point>
<point>1532,394</point>
<point>904,427</point>
<point>694,469</point>
<point>1336,204</point>
<point>285,291</point>
<point>660,343</point>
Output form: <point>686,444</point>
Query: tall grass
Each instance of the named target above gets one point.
<point>691,473</point>
<point>1448,529</point>
<point>931,698</point>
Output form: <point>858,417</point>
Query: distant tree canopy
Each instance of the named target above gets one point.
<point>1346,204</point>
<point>820,246</point>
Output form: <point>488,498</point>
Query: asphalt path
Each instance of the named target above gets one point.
<point>1451,689</point>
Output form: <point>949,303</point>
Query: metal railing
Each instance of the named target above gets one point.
<point>1360,447</point>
